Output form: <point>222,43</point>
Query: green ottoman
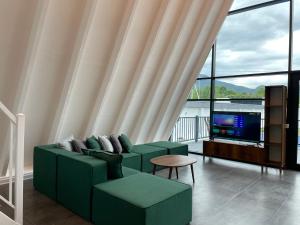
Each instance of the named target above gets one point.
<point>148,152</point>
<point>129,171</point>
<point>142,199</point>
<point>174,148</point>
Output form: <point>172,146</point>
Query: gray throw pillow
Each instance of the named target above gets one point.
<point>66,143</point>
<point>116,144</point>
<point>78,145</point>
<point>105,143</point>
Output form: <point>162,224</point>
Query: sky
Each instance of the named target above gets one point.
<point>256,42</point>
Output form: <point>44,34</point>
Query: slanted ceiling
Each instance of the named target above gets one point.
<point>87,67</point>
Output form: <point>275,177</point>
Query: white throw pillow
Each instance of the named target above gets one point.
<point>66,143</point>
<point>106,144</point>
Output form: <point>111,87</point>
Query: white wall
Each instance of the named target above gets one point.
<point>101,66</point>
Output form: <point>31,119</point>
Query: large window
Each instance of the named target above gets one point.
<point>252,50</point>
<point>246,87</point>
<point>254,41</point>
<point>238,4</point>
<point>201,90</point>
<point>296,44</point>
<point>206,70</point>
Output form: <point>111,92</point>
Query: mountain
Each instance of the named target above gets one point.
<point>233,87</point>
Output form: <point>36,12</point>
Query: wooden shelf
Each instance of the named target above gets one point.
<point>270,106</point>
<point>275,132</point>
<point>274,144</point>
<point>237,152</point>
<point>273,124</point>
<point>274,164</point>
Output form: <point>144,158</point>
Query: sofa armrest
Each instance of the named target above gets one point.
<point>44,168</point>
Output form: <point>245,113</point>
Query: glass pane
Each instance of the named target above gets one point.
<point>298,146</point>
<point>194,117</point>
<point>206,70</point>
<point>246,87</point>
<point>238,4</point>
<point>254,41</point>
<point>296,43</point>
<point>243,106</point>
<point>200,90</point>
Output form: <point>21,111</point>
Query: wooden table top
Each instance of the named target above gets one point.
<point>173,160</point>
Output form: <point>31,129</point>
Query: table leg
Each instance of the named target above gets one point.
<point>170,172</point>
<point>192,169</point>
<point>176,172</point>
<point>154,169</point>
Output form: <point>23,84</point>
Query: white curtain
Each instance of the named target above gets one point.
<point>101,66</point>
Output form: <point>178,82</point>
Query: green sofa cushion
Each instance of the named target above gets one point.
<point>143,200</point>
<point>125,142</point>
<point>174,148</point>
<point>114,163</point>
<point>92,143</point>
<point>44,168</point>
<point>132,160</point>
<point>148,152</point>
<point>76,177</point>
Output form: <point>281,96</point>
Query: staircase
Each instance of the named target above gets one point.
<point>5,220</point>
<point>15,167</point>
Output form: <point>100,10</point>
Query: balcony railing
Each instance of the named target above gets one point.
<point>190,128</point>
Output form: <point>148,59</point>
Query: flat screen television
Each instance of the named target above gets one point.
<point>240,126</point>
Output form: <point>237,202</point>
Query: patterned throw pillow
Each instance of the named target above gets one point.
<point>116,144</point>
<point>66,143</point>
<point>107,146</point>
<point>78,145</point>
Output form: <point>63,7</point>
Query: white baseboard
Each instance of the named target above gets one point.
<point>5,180</point>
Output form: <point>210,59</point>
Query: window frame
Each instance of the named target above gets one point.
<point>213,76</point>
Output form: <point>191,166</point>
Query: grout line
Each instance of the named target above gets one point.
<point>217,210</point>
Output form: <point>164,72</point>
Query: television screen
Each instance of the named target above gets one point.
<point>243,126</point>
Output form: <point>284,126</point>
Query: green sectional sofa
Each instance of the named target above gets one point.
<point>173,148</point>
<point>147,152</point>
<point>74,180</point>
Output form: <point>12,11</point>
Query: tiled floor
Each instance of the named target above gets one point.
<point>195,146</point>
<point>225,193</point>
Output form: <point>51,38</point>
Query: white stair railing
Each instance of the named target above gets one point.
<point>15,163</point>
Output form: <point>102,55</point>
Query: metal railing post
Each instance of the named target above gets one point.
<point>19,173</point>
<point>196,128</point>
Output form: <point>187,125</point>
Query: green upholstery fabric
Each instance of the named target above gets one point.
<point>44,168</point>
<point>92,143</point>
<point>132,160</point>
<point>90,151</point>
<point>174,148</point>
<point>148,152</point>
<point>114,163</point>
<point>128,171</point>
<point>75,179</point>
<point>143,200</point>
<point>126,143</point>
